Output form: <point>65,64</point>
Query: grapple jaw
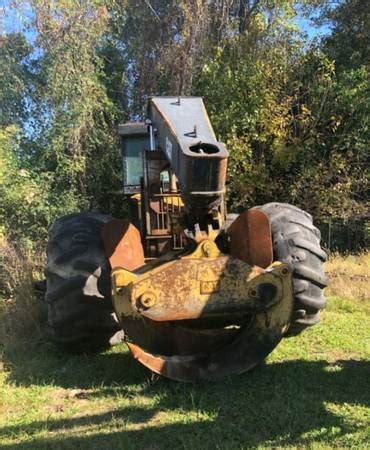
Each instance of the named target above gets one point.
<point>200,315</point>
<point>222,340</point>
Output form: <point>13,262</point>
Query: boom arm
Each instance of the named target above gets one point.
<point>184,133</point>
<point>176,138</point>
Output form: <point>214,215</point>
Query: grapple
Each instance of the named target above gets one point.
<point>201,314</point>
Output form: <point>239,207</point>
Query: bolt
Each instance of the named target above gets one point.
<point>284,271</point>
<point>252,292</point>
<point>147,299</point>
<point>119,291</point>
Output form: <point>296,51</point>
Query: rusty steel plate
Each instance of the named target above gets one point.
<point>122,243</point>
<point>181,337</point>
<point>203,287</point>
<point>251,239</point>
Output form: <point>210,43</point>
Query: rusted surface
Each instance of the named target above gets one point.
<point>181,337</point>
<point>238,352</point>
<point>189,289</point>
<point>251,239</point>
<point>204,283</point>
<point>203,315</point>
<point>122,244</point>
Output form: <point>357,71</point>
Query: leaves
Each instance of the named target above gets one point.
<point>294,117</point>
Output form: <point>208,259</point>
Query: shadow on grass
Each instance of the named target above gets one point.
<point>40,363</point>
<point>276,404</point>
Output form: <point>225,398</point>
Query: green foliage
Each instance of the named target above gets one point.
<point>15,78</point>
<point>24,203</point>
<point>81,145</point>
<point>294,117</point>
<point>296,125</point>
<point>348,44</point>
<point>333,139</point>
<point>245,85</point>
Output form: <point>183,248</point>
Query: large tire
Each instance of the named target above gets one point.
<point>80,312</point>
<point>296,241</point>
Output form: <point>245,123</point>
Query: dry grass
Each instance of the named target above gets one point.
<point>21,309</point>
<point>349,276</point>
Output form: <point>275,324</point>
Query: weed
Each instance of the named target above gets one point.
<point>349,276</point>
<point>21,308</point>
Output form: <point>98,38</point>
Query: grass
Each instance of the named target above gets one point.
<point>349,275</point>
<point>312,392</point>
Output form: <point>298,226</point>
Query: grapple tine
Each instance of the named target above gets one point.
<point>247,350</point>
<point>179,368</point>
<point>122,244</point>
<point>250,236</point>
<point>231,350</point>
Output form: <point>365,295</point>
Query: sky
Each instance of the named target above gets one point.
<point>312,31</point>
<point>14,19</point>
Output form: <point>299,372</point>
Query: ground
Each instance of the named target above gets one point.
<point>312,392</point>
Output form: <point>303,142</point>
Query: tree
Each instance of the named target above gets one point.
<point>348,43</point>
<point>15,79</point>
<point>294,117</point>
<point>81,147</point>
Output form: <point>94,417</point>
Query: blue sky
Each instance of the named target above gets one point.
<point>16,19</point>
<point>312,30</point>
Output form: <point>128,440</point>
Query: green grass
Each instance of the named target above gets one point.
<point>312,392</point>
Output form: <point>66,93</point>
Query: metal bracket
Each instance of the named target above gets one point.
<point>203,284</point>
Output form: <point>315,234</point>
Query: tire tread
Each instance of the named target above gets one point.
<point>76,321</point>
<point>296,241</point>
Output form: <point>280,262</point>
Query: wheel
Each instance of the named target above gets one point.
<point>296,241</point>
<point>80,312</point>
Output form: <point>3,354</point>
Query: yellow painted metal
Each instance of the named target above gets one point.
<point>211,233</point>
<point>205,249</point>
<point>136,197</point>
<point>120,280</point>
<point>173,200</point>
<point>279,316</point>
<point>202,283</point>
